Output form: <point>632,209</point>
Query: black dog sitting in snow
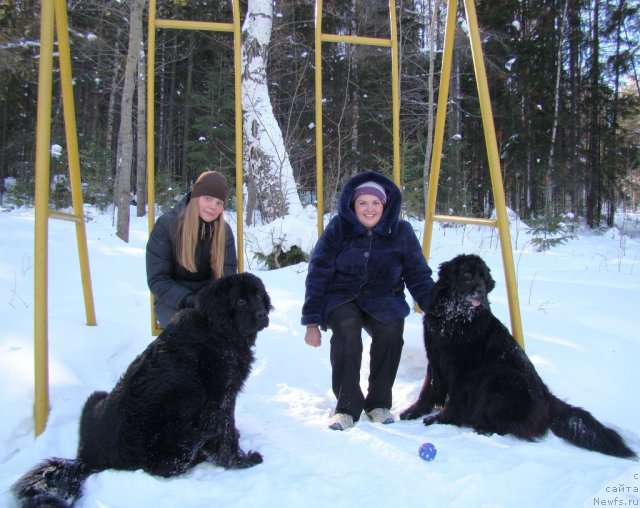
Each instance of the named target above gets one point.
<point>175,405</point>
<point>481,378</point>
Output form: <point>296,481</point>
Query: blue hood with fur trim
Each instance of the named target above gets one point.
<point>369,266</point>
<point>392,207</point>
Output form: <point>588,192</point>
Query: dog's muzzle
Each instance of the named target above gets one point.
<point>476,300</point>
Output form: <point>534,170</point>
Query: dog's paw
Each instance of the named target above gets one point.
<point>249,459</point>
<point>415,411</point>
<point>431,419</point>
<point>410,414</point>
<point>254,458</point>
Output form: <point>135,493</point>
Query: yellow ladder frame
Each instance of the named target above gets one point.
<point>392,42</point>
<point>233,27</point>
<point>54,13</point>
<point>502,221</point>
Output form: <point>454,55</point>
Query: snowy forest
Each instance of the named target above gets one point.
<point>562,75</point>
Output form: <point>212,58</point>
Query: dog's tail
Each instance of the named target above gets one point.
<point>579,427</point>
<point>55,483</point>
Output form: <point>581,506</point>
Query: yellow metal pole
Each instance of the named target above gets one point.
<point>395,92</point>
<point>494,167</point>
<point>441,115</point>
<point>43,139</point>
<point>73,156</point>
<point>237,66</point>
<point>318,108</point>
<point>151,173</point>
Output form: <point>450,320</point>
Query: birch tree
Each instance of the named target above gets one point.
<point>270,186</point>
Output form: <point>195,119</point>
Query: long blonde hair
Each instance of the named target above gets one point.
<point>188,232</point>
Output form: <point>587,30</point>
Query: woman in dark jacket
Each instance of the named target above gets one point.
<point>356,280</point>
<point>189,245</point>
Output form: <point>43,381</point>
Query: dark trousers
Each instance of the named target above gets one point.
<point>347,322</point>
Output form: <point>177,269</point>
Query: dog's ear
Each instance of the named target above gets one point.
<point>254,283</point>
<point>446,272</point>
<point>267,300</point>
<point>213,296</point>
<point>257,283</point>
<point>488,280</point>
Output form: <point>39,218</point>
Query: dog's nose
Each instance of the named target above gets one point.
<point>261,314</point>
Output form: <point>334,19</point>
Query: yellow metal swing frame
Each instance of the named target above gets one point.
<point>54,14</point>
<point>234,28</point>
<point>502,221</point>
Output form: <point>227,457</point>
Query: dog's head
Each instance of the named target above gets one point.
<point>239,301</point>
<point>466,280</point>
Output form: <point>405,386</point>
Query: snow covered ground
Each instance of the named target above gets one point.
<point>581,315</point>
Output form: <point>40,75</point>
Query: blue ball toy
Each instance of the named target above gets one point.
<point>427,451</point>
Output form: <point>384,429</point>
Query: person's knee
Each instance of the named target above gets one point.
<point>349,327</point>
<point>390,334</point>
<point>347,340</point>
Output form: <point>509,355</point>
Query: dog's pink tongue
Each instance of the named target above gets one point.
<point>475,303</point>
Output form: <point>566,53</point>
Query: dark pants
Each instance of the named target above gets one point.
<point>347,322</point>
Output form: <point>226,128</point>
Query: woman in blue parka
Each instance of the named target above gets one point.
<point>356,280</point>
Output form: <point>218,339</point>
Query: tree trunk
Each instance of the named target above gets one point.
<point>172,121</point>
<point>549,183</point>
<point>574,180</point>
<point>352,51</point>
<point>266,160</point>
<point>430,96</point>
<point>611,147</point>
<point>594,178</point>
<point>187,116</point>
<point>124,162</point>
<point>111,111</point>
<point>3,142</point>
<point>141,137</point>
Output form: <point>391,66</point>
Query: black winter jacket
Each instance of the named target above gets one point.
<point>368,266</point>
<point>171,283</point>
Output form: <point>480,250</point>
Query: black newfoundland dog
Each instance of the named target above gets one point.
<point>481,378</point>
<point>175,405</point>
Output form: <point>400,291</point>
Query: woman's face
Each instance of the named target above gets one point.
<point>209,208</point>
<point>368,209</point>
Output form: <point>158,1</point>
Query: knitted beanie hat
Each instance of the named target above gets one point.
<point>210,183</point>
<point>371,188</point>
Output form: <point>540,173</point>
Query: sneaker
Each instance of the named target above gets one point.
<point>381,415</point>
<point>341,421</point>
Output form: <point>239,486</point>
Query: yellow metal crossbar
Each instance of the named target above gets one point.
<point>194,25</point>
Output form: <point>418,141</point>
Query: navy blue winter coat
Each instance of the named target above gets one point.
<point>368,266</point>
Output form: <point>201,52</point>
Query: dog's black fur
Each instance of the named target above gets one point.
<point>174,407</point>
<point>481,378</point>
